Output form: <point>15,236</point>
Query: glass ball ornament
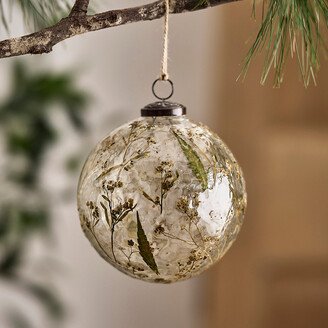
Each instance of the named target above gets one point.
<point>161,198</point>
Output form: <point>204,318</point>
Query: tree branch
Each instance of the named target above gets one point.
<point>78,22</point>
<point>80,8</point>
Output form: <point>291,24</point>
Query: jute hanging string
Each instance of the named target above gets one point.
<point>164,76</point>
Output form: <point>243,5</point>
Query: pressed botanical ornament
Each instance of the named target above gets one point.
<point>161,198</point>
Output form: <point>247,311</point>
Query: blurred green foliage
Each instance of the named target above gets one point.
<point>27,130</point>
<point>24,115</point>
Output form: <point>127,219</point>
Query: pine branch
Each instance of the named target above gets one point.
<point>79,22</point>
<point>292,27</point>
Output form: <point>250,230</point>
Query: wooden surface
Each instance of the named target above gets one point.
<point>276,274</point>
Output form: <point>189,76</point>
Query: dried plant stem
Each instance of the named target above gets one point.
<point>112,230</point>
<point>98,243</point>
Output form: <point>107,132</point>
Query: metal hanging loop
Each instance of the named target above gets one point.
<point>154,91</point>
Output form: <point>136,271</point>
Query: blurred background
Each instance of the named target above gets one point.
<point>54,108</point>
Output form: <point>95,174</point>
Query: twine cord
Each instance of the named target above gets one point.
<point>164,76</point>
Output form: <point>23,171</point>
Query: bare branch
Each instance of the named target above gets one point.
<point>78,22</point>
<point>80,8</point>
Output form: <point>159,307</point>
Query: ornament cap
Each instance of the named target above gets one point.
<point>163,108</point>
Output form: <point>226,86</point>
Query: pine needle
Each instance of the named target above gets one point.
<point>290,27</point>
<point>37,14</point>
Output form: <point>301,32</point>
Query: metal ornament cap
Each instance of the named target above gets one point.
<point>163,108</point>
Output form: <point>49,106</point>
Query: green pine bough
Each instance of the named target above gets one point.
<point>295,28</point>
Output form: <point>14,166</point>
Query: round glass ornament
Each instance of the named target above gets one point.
<point>161,198</point>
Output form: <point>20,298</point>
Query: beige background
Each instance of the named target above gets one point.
<point>276,275</point>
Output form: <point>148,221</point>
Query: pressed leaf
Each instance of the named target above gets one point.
<point>106,213</point>
<point>144,247</point>
<point>104,173</point>
<point>125,213</point>
<point>194,161</point>
<point>141,155</point>
<point>147,196</point>
<point>106,198</point>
